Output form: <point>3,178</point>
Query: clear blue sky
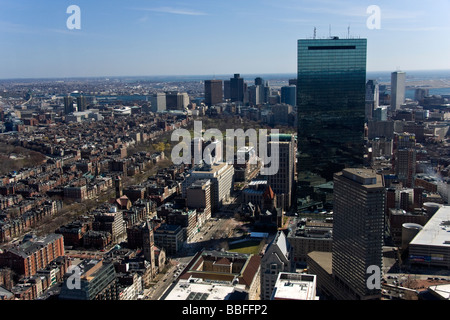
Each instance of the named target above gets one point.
<point>206,37</point>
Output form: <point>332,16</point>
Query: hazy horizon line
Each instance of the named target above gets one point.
<point>210,76</point>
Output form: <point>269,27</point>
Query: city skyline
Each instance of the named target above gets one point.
<point>178,38</point>
<point>117,182</point>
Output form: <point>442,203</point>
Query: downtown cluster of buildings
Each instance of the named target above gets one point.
<point>89,157</point>
<point>371,198</point>
<point>367,169</point>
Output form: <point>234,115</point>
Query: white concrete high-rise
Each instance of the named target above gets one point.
<point>398,87</point>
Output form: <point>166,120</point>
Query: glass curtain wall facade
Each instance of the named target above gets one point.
<point>331,108</point>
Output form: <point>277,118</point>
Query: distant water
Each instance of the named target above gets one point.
<point>385,77</point>
<point>411,75</point>
<point>433,92</point>
<point>381,76</point>
<point>280,79</point>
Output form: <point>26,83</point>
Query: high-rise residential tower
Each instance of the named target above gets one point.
<point>81,103</point>
<point>398,85</point>
<point>68,105</point>
<point>330,106</point>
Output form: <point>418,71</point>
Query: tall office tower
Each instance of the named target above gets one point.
<point>81,103</point>
<point>176,100</point>
<point>289,95</point>
<point>171,100</point>
<point>259,81</point>
<point>158,102</point>
<point>276,259</point>
<point>404,158</point>
<point>398,86</point>
<point>213,92</point>
<point>405,166</point>
<point>405,140</point>
<point>282,182</point>
<point>380,114</point>
<point>68,105</point>
<point>226,89</point>
<point>197,147</point>
<point>254,94</point>
<point>358,225</point>
<point>330,106</point>
<point>372,97</point>
<point>237,88</point>
<point>183,100</point>
<point>266,92</point>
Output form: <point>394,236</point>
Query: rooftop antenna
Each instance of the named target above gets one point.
<point>348,31</point>
<point>329,30</point>
<point>314,37</point>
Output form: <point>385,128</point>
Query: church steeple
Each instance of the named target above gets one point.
<point>148,239</point>
<point>269,199</point>
<point>118,186</point>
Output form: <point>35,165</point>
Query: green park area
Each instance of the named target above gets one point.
<point>251,246</point>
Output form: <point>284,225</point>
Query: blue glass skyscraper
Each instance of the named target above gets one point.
<point>289,95</point>
<point>331,105</point>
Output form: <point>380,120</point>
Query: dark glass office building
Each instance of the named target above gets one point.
<point>237,88</point>
<point>331,106</point>
<point>213,92</point>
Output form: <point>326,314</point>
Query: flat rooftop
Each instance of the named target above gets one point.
<point>291,286</point>
<point>436,231</point>
<point>185,290</point>
<point>443,291</point>
<point>323,259</point>
<point>366,177</point>
<point>214,169</point>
